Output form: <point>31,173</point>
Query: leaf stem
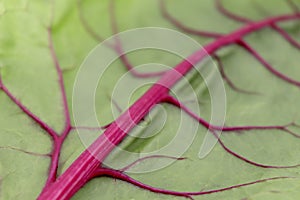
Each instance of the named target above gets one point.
<point>88,162</point>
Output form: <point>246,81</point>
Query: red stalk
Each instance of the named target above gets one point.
<point>86,164</point>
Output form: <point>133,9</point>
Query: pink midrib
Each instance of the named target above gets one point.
<point>85,165</point>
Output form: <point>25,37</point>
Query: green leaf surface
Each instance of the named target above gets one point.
<point>28,71</point>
